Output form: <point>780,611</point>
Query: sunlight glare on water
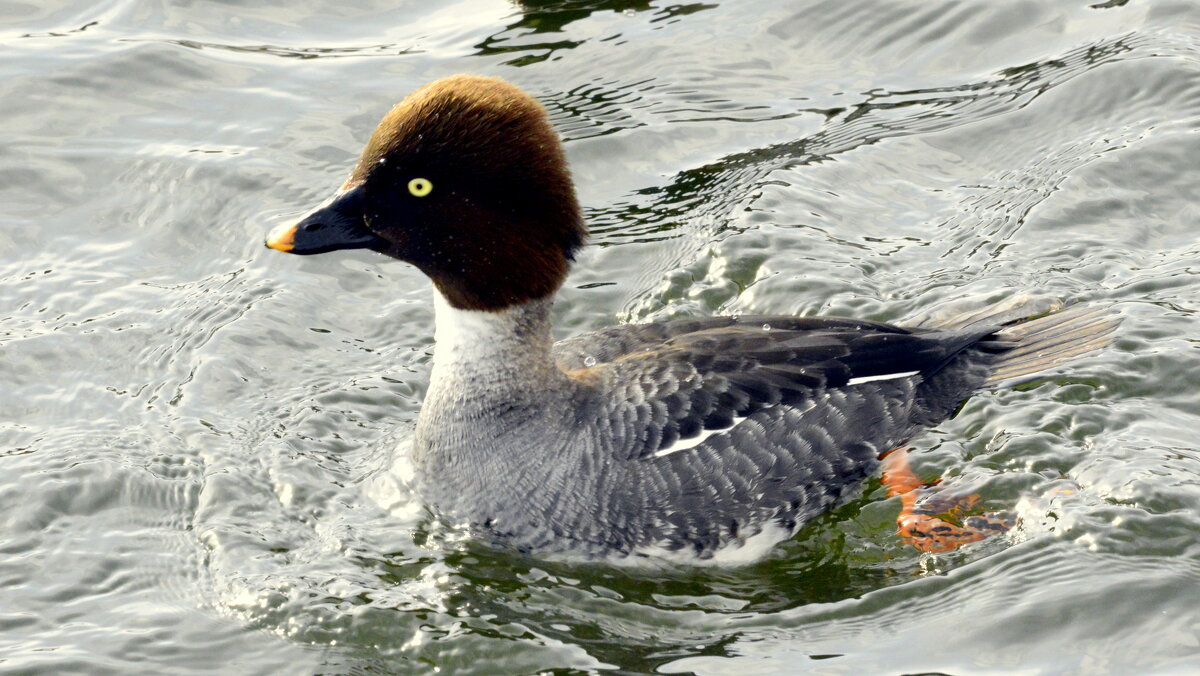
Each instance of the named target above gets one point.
<point>197,433</point>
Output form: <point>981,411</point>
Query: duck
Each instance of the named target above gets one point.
<point>703,440</point>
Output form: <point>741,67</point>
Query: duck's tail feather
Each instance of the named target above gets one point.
<point>981,311</point>
<point>1031,345</point>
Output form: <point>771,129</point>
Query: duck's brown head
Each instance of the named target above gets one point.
<point>466,180</point>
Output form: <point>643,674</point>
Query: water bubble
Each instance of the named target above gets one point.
<point>766,327</point>
<point>589,361</point>
<point>735,316</point>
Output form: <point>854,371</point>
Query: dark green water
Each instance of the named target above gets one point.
<point>195,432</point>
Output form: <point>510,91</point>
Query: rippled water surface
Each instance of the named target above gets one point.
<point>196,432</point>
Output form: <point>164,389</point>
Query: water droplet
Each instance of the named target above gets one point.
<point>735,316</point>
<point>589,361</point>
<point>766,327</point>
<point>383,160</point>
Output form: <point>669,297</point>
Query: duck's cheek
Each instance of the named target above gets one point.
<point>404,242</point>
<point>398,246</point>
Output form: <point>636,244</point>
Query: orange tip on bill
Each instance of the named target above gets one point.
<point>282,237</point>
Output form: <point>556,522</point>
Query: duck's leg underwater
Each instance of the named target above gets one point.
<point>931,520</point>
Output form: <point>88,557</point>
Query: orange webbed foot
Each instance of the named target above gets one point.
<point>934,521</point>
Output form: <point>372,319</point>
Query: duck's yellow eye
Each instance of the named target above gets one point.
<point>420,187</point>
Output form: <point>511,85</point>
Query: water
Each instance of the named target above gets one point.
<point>195,431</point>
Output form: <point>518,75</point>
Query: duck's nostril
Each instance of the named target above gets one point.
<point>312,227</point>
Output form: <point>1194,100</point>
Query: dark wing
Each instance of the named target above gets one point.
<point>674,389</point>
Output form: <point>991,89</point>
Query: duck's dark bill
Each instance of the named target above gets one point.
<point>333,226</point>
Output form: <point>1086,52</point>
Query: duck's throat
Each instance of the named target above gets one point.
<point>504,348</point>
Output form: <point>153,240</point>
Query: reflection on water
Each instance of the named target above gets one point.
<point>197,436</point>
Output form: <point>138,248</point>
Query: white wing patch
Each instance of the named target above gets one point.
<point>692,442</point>
<point>886,376</point>
<point>685,444</point>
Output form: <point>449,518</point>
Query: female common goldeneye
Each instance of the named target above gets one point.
<point>710,439</point>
